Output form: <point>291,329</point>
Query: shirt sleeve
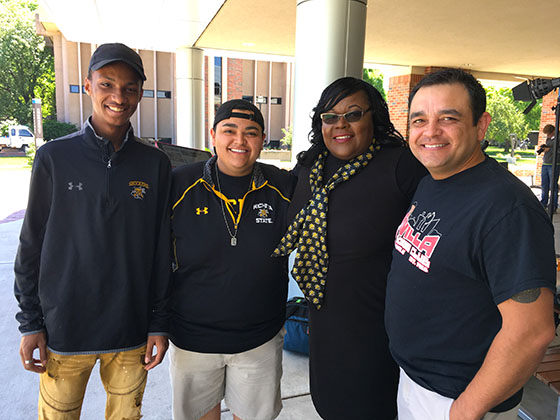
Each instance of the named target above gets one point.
<point>161,276</point>
<point>409,172</point>
<point>518,253</point>
<point>28,257</point>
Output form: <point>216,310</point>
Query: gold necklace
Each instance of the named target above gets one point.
<point>233,236</point>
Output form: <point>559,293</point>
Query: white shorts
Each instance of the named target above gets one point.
<point>249,381</point>
<point>415,402</point>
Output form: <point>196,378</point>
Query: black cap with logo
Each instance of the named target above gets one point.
<point>109,53</point>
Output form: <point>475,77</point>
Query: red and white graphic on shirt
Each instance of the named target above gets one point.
<point>417,236</point>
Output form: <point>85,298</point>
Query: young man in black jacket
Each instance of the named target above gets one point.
<point>92,268</point>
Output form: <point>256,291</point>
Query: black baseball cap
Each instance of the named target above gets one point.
<point>225,111</point>
<point>109,53</point>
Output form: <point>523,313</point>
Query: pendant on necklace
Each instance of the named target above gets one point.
<point>233,241</point>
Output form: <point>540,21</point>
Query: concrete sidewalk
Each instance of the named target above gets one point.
<point>19,388</point>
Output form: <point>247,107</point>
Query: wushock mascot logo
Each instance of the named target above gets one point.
<point>139,189</point>
<point>264,213</point>
<point>417,236</point>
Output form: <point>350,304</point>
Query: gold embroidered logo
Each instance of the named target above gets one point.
<point>263,213</point>
<point>138,189</point>
<point>200,211</point>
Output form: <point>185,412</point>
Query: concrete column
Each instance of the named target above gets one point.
<point>65,82</point>
<point>225,72</point>
<point>81,82</point>
<point>210,96</point>
<point>59,71</point>
<point>288,95</point>
<point>138,127</point>
<point>171,116</point>
<point>330,38</point>
<point>156,134</point>
<point>189,66</point>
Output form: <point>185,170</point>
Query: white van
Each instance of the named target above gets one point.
<point>19,137</point>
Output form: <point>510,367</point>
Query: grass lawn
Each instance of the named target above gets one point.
<point>524,157</point>
<point>13,163</point>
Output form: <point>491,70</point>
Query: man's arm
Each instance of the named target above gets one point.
<point>548,143</point>
<point>519,346</point>
<point>161,274</point>
<point>26,267</point>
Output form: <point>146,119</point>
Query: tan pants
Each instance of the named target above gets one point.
<point>249,381</point>
<point>63,385</point>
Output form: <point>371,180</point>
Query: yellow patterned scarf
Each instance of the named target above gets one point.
<point>308,231</point>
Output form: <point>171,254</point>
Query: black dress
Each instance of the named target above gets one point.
<point>352,374</point>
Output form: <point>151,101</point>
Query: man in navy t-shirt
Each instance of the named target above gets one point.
<point>469,309</point>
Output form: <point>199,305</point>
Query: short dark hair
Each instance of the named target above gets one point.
<point>448,76</point>
<point>548,129</point>
<point>383,130</point>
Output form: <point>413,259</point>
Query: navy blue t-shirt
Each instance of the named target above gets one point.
<point>467,243</point>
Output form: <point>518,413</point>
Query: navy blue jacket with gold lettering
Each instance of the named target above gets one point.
<point>93,264</point>
<point>228,299</point>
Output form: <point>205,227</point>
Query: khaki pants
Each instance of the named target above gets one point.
<point>249,381</point>
<point>63,385</point>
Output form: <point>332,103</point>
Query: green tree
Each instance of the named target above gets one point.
<point>286,141</point>
<point>533,118</point>
<point>506,117</point>
<point>375,78</point>
<point>26,63</point>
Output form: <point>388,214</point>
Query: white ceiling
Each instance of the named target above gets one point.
<point>496,36</point>
<point>162,25</point>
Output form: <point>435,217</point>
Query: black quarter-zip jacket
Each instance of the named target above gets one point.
<point>228,299</point>
<point>93,264</point>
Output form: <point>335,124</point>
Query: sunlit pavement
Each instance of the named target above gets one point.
<point>19,388</point>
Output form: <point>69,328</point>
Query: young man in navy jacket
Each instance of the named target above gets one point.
<point>92,268</point>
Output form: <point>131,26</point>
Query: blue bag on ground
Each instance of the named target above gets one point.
<point>297,326</point>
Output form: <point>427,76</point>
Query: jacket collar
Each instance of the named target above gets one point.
<point>258,177</point>
<point>103,143</point>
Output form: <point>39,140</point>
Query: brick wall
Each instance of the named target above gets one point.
<point>397,97</point>
<point>397,100</point>
<point>548,116</point>
<point>234,84</point>
<point>234,78</point>
<point>431,69</point>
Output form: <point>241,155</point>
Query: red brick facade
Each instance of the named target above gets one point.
<point>234,88</point>
<point>397,100</point>
<point>431,69</point>
<point>234,78</point>
<point>548,116</point>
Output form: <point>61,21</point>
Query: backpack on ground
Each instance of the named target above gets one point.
<point>297,326</point>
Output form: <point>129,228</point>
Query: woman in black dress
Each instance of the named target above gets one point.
<point>354,186</point>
